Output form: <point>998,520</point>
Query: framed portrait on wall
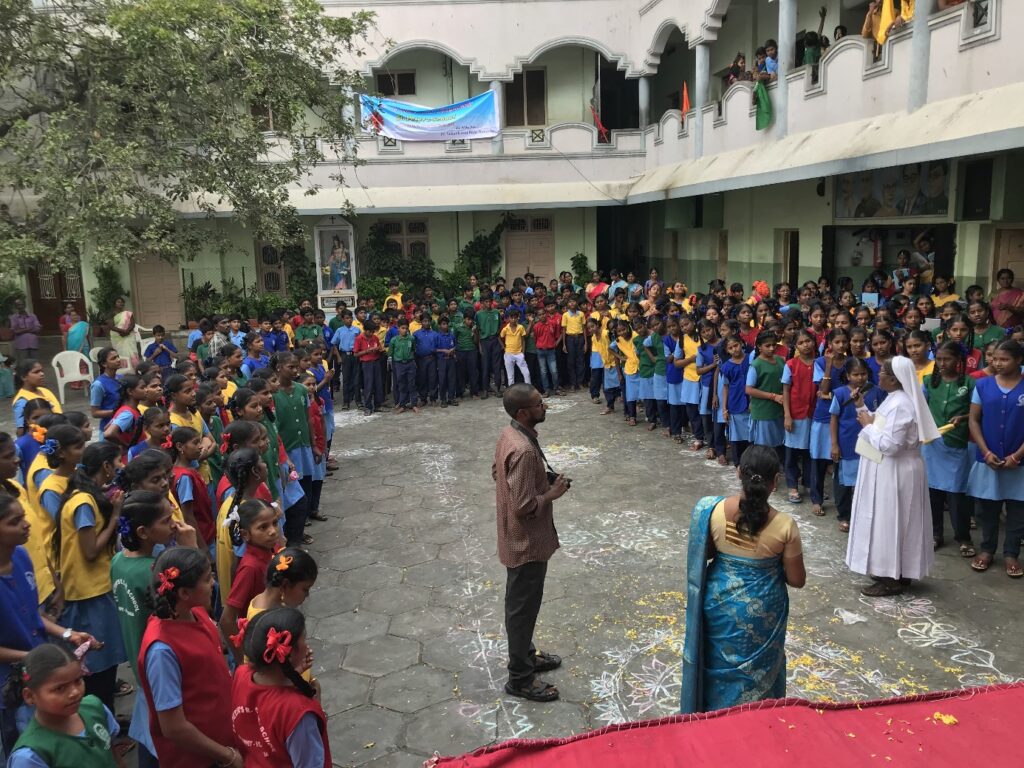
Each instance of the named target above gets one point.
<point>335,260</point>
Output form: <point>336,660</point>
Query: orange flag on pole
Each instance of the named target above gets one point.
<point>686,100</point>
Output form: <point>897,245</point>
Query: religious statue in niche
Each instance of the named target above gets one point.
<point>337,272</point>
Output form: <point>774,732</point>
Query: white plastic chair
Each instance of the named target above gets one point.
<point>67,366</point>
<point>93,354</point>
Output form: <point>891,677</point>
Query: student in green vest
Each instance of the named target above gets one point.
<point>488,320</point>
<point>69,729</point>
<point>764,388</point>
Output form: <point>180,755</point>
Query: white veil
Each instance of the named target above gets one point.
<point>903,369</point>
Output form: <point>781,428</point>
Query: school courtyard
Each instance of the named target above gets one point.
<point>407,615</point>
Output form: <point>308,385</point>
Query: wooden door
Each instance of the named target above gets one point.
<point>50,290</point>
<point>156,293</point>
<point>530,247</point>
<point>1009,253</point>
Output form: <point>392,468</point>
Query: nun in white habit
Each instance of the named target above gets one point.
<point>890,524</point>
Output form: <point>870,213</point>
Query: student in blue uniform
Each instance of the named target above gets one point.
<point>856,390</point>
<point>997,479</point>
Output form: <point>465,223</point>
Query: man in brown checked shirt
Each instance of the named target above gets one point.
<point>526,537</point>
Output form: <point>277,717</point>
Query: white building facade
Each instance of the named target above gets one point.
<point>865,150</point>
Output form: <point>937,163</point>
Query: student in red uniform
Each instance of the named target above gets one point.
<point>276,715</point>
<point>182,669</point>
<point>185,447</point>
<point>125,426</point>
<point>254,523</point>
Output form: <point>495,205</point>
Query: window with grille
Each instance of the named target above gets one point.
<point>526,99</point>
<point>396,83</point>
<point>408,238</point>
<point>518,225</point>
<point>270,268</point>
<point>540,225</point>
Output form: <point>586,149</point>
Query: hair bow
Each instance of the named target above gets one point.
<point>167,577</point>
<point>225,445</point>
<point>284,563</point>
<point>237,639</point>
<point>167,444</point>
<point>25,677</point>
<point>120,475</point>
<point>38,433</point>
<point>232,517</point>
<point>79,467</point>
<point>279,646</point>
<point>124,526</point>
<point>50,447</point>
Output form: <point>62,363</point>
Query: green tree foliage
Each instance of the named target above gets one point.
<point>118,115</point>
<point>581,268</point>
<point>481,256</point>
<point>108,290</point>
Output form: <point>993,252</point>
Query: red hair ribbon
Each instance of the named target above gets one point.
<point>167,444</point>
<point>167,577</point>
<point>25,677</point>
<point>236,640</point>
<point>279,646</point>
<point>224,446</point>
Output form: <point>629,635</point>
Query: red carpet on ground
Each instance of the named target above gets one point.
<point>936,729</point>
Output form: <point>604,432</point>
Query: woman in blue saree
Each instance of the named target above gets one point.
<point>741,556</point>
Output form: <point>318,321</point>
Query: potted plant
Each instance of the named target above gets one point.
<point>107,291</point>
<point>9,293</point>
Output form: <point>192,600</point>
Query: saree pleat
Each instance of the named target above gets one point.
<point>736,616</point>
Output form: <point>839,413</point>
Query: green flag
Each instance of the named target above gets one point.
<point>764,106</point>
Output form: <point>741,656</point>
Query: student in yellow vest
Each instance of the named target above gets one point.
<point>83,541</point>
<point>29,377</point>
<point>37,544</point>
<point>180,393</point>
<point>150,470</point>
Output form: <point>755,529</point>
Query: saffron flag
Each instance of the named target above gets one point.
<point>764,115</point>
<point>475,118</point>
<point>686,100</point>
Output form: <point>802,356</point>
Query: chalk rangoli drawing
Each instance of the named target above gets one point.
<point>617,536</point>
<point>569,456</point>
<point>924,631</point>
<point>487,649</point>
<point>644,681</point>
<point>353,418</point>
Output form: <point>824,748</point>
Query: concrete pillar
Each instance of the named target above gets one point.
<point>498,143</point>
<point>644,99</point>
<point>348,114</point>
<point>787,51</point>
<point>702,83</point>
<point>917,82</point>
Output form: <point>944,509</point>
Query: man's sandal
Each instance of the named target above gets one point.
<point>536,690</point>
<point>967,550</point>
<point>982,562</point>
<point>844,526</point>
<point>545,662</point>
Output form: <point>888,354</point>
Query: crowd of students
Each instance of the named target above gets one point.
<point>724,369</point>
<point>129,546</point>
<point>172,536</point>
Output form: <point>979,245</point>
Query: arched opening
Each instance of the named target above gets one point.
<point>563,83</point>
<point>676,67</point>
<point>426,77</point>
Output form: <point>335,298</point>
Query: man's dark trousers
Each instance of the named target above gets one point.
<point>524,591</point>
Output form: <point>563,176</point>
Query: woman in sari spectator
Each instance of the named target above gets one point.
<point>122,335</point>
<point>742,555</point>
